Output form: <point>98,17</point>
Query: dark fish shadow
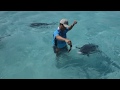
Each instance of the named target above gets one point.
<point>88,49</point>
<point>42,25</point>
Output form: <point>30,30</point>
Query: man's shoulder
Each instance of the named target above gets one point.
<point>56,31</point>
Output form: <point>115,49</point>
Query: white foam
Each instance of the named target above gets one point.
<point>79,52</point>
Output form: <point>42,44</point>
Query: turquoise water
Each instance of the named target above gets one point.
<point>27,52</point>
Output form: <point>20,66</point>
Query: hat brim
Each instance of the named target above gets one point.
<point>65,25</point>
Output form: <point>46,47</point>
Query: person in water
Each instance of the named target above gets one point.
<point>60,40</point>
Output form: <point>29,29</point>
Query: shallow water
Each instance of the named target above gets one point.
<point>28,53</point>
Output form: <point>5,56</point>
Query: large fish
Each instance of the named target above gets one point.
<point>88,49</point>
<point>41,24</point>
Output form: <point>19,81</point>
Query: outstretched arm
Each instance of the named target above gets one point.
<point>71,26</point>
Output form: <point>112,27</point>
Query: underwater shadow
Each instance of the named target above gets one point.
<point>99,62</point>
